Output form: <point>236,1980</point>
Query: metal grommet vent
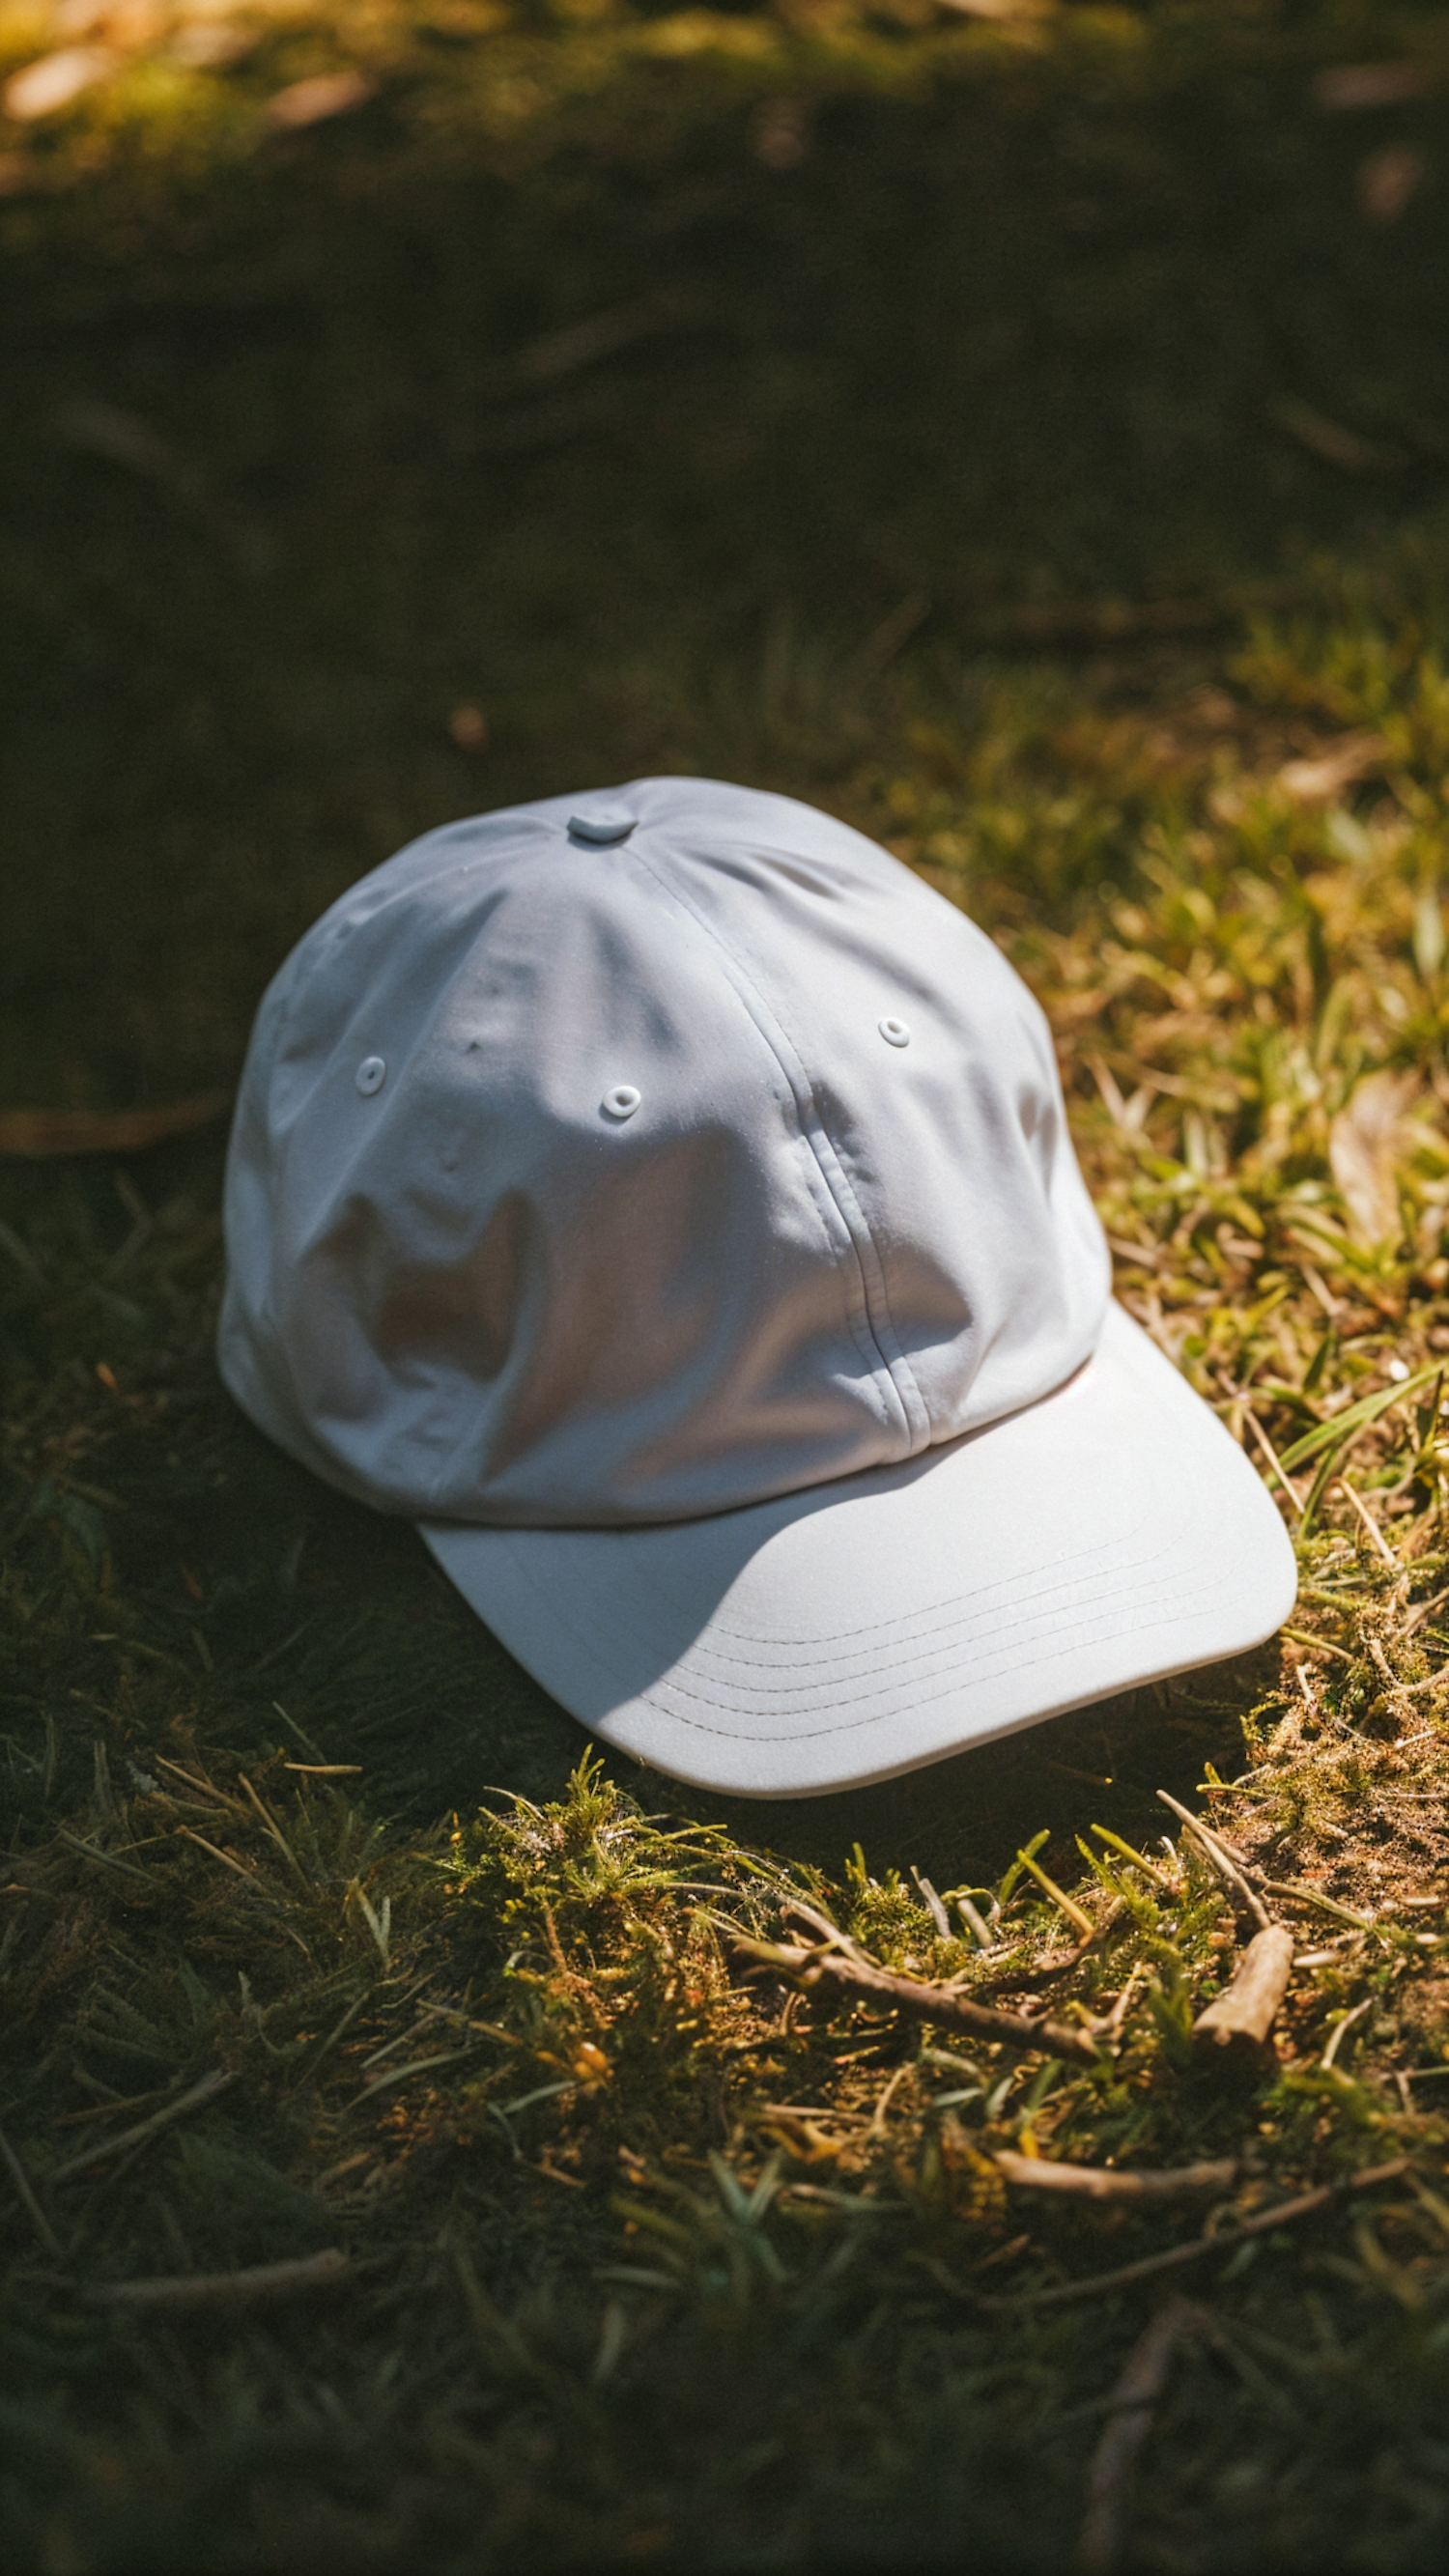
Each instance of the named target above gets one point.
<point>371,1075</point>
<point>622,1101</point>
<point>895,1032</point>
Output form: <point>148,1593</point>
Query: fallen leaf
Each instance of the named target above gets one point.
<point>1365,1143</point>
<point>105,1131</point>
<point>1386,182</point>
<point>1331,442</point>
<point>46,86</point>
<point>1325,773</point>
<point>310,102</point>
<point>469,728</point>
<point>1346,86</point>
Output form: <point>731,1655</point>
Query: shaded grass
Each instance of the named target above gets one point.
<point>652,2260</point>
<point>649,2259</point>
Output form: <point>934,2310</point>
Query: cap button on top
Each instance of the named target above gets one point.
<point>371,1075</point>
<point>605,824</point>
<point>895,1032</point>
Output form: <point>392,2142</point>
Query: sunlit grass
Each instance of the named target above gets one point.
<point>593,2171</point>
<point>653,2254</point>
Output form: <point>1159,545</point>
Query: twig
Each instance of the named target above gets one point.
<point>108,1860</point>
<point>931,1899</point>
<point>274,1829</point>
<point>1102,2182</point>
<point>1234,2030</point>
<point>104,2148</point>
<point>1225,1867</point>
<point>228,1859</point>
<point>1370,1524</point>
<point>821,1925</point>
<point>1324,1904</point>
<point>922,2001</point>
<point>1343,2026</point>
<point>1129,2421</point>
<point>1271,1454</point>
<point>1421,1611</point>
<point>1223,2241</point>
<point>1316,1645</point>
<point>1118,2013</point>
<point>208,1788</point>
<point>105,1131</point>
<point>31,2205</point>
<point>219,2289</point>
<point>877,2124</point>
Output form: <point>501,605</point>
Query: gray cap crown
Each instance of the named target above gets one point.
<point>601,1183</point>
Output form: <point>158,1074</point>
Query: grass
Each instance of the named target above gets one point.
<point>651,2259</point>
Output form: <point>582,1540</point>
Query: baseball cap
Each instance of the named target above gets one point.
<point>665,1199</point>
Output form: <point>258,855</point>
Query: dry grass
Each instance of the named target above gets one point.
<point>473,2201</point>
<point>645,2256</point>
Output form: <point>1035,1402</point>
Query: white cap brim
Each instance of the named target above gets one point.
<point>1111,1535</point>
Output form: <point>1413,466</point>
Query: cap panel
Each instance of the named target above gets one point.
<point>483,1295</point>
<point>983,1264</point>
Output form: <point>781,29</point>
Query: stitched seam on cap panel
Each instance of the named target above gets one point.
<point>598,1652</point>
<point>967,1654</point>
<point>1007,1619</point>
<point>698,1726</point>
<point>899,1373</point>
<point>830,1644</point>
<point>1055,1649</point>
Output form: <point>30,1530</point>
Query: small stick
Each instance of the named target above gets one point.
<point>1118,2013</point>
<point>31,2205</point>
<point>1316,1645</point>
<point>829,1933</point>
<point>1370,1524</point>
<point>1225,1867</point>
<point>1274,1461</point>
<point>931,1899</point>
<point>1129,2421</point>
<point>324,1770</point>
<point>227,1859</point>
<point>105,1131</point>
<point>1222,2242</point>
<point>274,1829</point>
<point>924,2002</point>
<point>983,1938</point>
<point>1342,2027</point>
<point>218,2289</point>
<point>104,2148</point>
<point>1325,1904</point>
<point>1233,2032</point>
<point>208,1788</point>
<point>108,1860</point>
<point>1102,2182</point>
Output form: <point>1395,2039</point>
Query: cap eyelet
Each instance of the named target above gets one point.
<point>621,1102</point>
<point>371,1075</point>
<point>895,1032</point>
